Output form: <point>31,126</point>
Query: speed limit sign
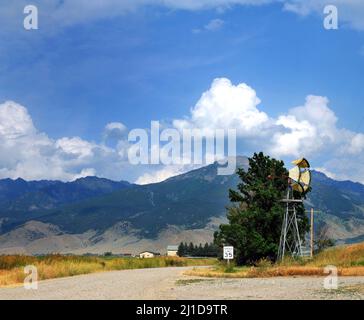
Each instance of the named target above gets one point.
<point>228,252</point>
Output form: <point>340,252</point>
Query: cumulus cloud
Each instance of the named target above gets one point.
<point>25,152</point>
<point>87,172</point>
<point>32,155</point>
<point>115,130</point>
<point>356,144</point>
<point>309,130</point>
<point>160,174</point>
<point>295,137</point>
<point>75,147</point>
<point>15,121</point>
<point>225,105</point>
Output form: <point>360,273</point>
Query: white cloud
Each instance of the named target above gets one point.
<point>55,14</point>
<point>117,126</point>
<point>25,152</point>
<point>75,147</point>
<point>309,130</point>
<point>356,144</point>
<point>296,137</point>
<point>225,105</point>
<point>213,25</point>
<point>345,167</point>
<point>15,121</point>
<point>160,175</point>
<point>326,172</point>
<point>115,130</point>
<point>350,12</point>
<point>87,172</point>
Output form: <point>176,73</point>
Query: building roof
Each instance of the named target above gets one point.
<point>172,248</point>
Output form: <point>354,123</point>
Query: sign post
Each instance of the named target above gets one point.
<point>228,253</point>
<point>312,226</point>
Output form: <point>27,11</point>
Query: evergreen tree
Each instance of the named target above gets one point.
<point>181,250</point>
<point>185,246</point>
<point>199,251</point>
<point>191,249</point>
<point>256,218</point>
<point>206,250</point>
<point>194,250</point>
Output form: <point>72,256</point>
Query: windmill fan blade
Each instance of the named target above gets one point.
<point>306,177</point>
<point>295,173</point>
<point>301,163</point>
<point>300,175</point>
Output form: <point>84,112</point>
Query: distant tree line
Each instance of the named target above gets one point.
<point>192,250</point>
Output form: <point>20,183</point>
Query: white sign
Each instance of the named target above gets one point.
<point>228,253</point>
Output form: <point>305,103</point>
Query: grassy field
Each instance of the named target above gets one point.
<point>56,266</point>
<point>349,261</point>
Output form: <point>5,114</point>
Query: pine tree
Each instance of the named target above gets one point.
<point>191,249</point>
<point>206,250</point>
<point>181,250</point>
<point>199,251</point>
<point>256,218</point>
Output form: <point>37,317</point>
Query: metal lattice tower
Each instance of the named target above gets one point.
<point>290,240</point>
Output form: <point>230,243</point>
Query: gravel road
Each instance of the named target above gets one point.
<point>170,283</point>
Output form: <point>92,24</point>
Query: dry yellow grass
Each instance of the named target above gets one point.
<point>283,271</point>
<point>56,266</point>
<point>349,261</point>
<point>341,256</point>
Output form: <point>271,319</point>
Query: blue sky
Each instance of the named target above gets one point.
<point>154,63</point>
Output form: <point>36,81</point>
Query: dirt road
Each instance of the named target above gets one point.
<point>170,283</point>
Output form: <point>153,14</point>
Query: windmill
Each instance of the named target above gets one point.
<point>299,180</point>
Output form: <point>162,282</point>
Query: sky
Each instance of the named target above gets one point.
<point>71,90</point>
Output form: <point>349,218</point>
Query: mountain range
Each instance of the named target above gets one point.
<point>95,215</point>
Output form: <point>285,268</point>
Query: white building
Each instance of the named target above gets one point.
<point>172,251</point>
<point>148,254</point>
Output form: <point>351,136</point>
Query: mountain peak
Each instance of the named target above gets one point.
<point>88,178</point>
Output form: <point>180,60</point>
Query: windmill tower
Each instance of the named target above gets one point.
<point>299,180</point>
